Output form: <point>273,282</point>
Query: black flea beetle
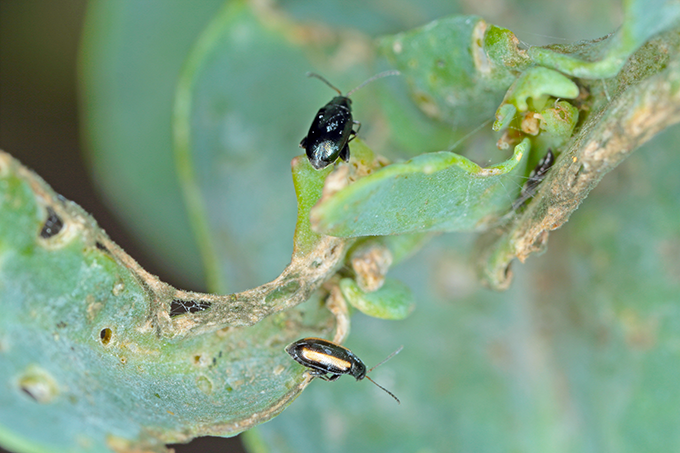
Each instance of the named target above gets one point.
<point>325,358</point>
<point>333,127</point>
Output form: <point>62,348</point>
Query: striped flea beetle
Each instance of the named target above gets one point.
<point>329,361</point>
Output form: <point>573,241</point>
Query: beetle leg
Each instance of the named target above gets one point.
<point>354,133</point>
<point>344,154</point>
<point>323,375</point>
<point>320,374</point>
<point>303,143</point>
<point>317,373</point>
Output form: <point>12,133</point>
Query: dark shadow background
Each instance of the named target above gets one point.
<point>39,122</point>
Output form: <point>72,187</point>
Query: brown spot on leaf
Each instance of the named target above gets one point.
<point>531,123</point>
<point>105,335</point>
<point>371,263</point>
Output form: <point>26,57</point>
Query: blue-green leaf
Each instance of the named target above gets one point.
<point>432,192</point>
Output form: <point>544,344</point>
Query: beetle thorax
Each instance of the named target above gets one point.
<point>342,100</point>
<point>358,370</point>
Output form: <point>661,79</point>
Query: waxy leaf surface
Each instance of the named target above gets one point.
<point>432,192</point>
<point>95,353</point>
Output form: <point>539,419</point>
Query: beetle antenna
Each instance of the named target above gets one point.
<point>375,77</point>
<point>314,74</point>
<point>386,391</point>
<point>386,359</point>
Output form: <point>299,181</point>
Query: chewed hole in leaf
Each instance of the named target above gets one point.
<point>181,307</point>
<point>38,385</point>
<point>105,336</point>
<point>204,384</point>
<point>52,226</point>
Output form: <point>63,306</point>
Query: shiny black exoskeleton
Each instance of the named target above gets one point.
<point>535,178</point>
<point>329,361</point>
<point>324,357</point>
<point>333,127</point>
<point>330,133</point>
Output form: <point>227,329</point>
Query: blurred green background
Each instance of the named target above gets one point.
<point>39,125</point>
<point>579,355</point>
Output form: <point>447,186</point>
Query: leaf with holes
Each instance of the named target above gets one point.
<point>98,355</point>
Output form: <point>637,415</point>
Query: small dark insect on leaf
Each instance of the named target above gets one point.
<point>536,176</point>
<point>333,127</point>
<point>328,361</point>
